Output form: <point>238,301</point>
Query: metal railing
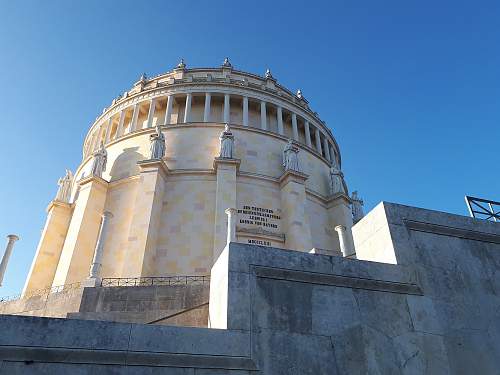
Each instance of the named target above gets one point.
<point>483,208</point>
<point>149,281</point>
<point>42,292</point>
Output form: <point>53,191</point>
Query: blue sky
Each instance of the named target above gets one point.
<point>410,89</point>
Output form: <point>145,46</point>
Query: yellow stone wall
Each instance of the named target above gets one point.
<point>185,239</point>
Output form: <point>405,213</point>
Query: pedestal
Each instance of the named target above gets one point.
<point>48,252</point>
<point>226,170</point>
<point>78,249</point>
<point>294,213</point>
<point>145,226</point>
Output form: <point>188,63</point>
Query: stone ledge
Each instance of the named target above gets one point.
<point>123,357</point>
<point>338,280</point>
<point>443,230</point>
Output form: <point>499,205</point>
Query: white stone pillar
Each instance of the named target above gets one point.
<point>121,124</point>
<point>231,225</point>
<point>95,269</point>
<point>227,108</point>
<point>318,141</point>
<point>245,111</point>
<point>187,111</point>
<point>345,245</point>
<point>151,113</point>
<point>206,113</point>
<point>135,116</point>
<point>295,130</point>
<point>327,149</point>
<point>108,130</point>
<point>263,115</point>
<point>11,238</point>
<point>279,115</point>
<point>308,133</point>
<point>168,110</point>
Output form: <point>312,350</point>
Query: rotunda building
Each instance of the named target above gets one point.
<point>130,213</point>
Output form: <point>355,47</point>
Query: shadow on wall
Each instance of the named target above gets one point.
<point>125,164</point>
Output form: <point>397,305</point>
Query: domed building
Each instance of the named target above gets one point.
<point>186,161</point>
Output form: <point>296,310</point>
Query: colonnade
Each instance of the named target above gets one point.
<point>117,126</point>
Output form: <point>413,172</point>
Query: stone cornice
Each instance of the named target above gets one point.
<point>152,165</point>
<point>223,161</point>
<point>58,204</point>
<point>294,176</point>
<point>93,179</point>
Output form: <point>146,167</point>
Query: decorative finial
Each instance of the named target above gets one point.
<point>226,63</point>
<point>181,65</point>
<point>299,94</point>
<point>143,78</point>
<point>268,74</point>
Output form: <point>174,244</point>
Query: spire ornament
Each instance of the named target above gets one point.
<point>181,65</point>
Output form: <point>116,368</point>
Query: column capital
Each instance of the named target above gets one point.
<point>293,176</point>
<point>230,211</point>
<point>107,215</point>
<point>13,237</point>
<point>340,228</point>
<point>224,162</point>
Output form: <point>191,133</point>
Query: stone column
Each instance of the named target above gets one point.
<point>294,211</point>
<point>146,219</point>
<point>245,111</point>
<point>109,128</point>
<point>151,113</point>
<point>231,225</point>
<point>279,115</point>
<point>48,252</point>
<point>340,216</point>
<point>227,108</point>
<point>168,110</point>
<point>263,115</point>
<point>308,133</point>
<point>11,238</point>
<point>327,149</point>
<point>94,278</point>
<point>78,249</point>
<point>318,141</point>
<point>135,116</point>
<point>187,110</point>
<point>225,196</point>
<point>206,112</point>
<point>121,124</point>
<point>295,130</point>
<point>345,243</point>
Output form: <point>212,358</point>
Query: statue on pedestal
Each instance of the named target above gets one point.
<point>268,74</point>
<point>226,139</point>
<point>226,63</point>
<point>336,180</point>
<point>290,157</point>
<point>157,146</point>
<point>65,183</point>
<point>99,161</point>
<point>357,207</point>
<point>299,94</point>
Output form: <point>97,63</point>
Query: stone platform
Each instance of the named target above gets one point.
<point>437,311</point>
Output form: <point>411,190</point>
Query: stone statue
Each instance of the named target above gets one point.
<point>291,157</point>
<point>226,139</point>
<point>357,207</point>
<point>143,78</point>
<point>99,162</point>
<point>181,64</point>
<point>157,146</point>
<point>268,74</point>
<point>336,180</point>
<point>226,63</point>
<point>299,94</point>
<point>65,183</point>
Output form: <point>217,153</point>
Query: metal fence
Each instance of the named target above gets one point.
<point>149,281</point>
<point>483,208</point>
<point>42,292</point>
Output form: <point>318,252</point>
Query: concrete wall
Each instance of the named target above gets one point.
<point>285,312</point>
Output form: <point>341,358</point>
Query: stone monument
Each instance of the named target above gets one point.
<point>99,161</point>
<point>65,184</point>
<point>226,141</point>
<point>157,147</point>
<point>290,157</point>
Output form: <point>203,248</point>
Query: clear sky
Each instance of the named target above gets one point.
<point>410,89</point>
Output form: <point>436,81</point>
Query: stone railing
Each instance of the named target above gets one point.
<point>149,281</point>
